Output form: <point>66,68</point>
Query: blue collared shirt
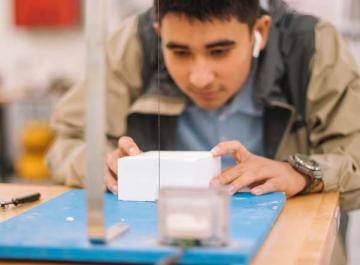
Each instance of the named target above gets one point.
<point>241,119</point>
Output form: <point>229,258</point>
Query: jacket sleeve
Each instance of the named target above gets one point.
<point>66,157</point>
<point>333,111</point>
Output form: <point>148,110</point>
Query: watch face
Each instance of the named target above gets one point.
<point>307,162</point>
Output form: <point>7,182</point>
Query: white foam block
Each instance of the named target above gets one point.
<point>138,176</point>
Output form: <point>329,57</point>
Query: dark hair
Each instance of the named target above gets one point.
<point>246,11</point>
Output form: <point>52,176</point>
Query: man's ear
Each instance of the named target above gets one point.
<point>262,26</point>
<point>156,26</point>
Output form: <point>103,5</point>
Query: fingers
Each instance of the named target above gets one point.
<point>267,187</point>
<point>128,147</point>
<point>227,176</point>
<point>235,148</point>
<point>111,161</point>
<point>110,181</point>
<point>239,177</point>
<point>110,176</point>
<point>244,181</point>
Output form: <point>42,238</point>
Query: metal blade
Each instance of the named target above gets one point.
<point>95,119</point>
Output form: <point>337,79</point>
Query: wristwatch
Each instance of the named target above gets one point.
<point>308,168</point>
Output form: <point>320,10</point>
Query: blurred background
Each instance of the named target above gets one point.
<point>42,54</point>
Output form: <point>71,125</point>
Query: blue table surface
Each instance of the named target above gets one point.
<point>56,230</point>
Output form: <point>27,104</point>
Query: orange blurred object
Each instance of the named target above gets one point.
<point>32,167</point>
<point>47,13</point>
<point>35,139</point>
<point>36,136</point>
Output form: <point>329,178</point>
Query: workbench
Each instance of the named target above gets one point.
<point>304,233</point>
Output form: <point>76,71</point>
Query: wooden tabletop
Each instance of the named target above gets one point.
<point>304,233</point>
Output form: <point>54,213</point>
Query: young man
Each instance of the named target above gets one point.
<point>276,90</point>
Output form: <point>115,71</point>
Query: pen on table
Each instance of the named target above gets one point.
<point>20,200</point>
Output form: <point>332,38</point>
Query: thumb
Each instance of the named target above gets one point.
<point>128,147</point>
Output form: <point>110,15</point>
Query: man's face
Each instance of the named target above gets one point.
<point>209,61</point>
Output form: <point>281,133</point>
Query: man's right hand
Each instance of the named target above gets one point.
<point>126,147</point>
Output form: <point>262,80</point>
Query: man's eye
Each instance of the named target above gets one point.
<point>181,53</point>
<point>218,52</point>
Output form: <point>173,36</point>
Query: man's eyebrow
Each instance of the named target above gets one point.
<point>174,45</point>
<point>215,44</point>
<point>220,44</point>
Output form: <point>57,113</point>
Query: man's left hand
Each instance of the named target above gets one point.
<point>260,174</point>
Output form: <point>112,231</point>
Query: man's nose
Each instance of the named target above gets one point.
<point>201,75</point>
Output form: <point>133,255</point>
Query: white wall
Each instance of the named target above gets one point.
<point>336,12</point>
<point>327,9</point>
<point>35,56</point>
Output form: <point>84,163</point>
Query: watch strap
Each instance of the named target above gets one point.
<point>312,174</point>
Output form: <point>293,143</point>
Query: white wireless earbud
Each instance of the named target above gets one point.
<point>257,44</point>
